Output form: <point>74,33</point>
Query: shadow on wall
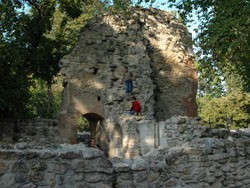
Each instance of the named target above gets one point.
<point>172,63</point>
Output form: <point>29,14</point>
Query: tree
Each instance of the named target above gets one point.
<point>14,73</point>
<point>233,108</point>
<point>35,35</point>
<point>222,40</point>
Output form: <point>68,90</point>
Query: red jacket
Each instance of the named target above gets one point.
<point>136,106</point>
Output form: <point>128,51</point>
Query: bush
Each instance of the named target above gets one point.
<point>234,108</point>
<point>38,102</point>
<point>82,124</point>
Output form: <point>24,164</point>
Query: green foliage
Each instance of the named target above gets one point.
<point>72,8</point>
<point>37,105</point>
<point>235,107</point>
<point>34,36</point>
<point>224,42</point>
<point>14,92</point>
<point>82,124</point>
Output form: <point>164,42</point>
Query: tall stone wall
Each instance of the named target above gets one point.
<point>157,49</point>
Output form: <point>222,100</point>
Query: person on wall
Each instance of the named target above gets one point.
<point>93,144</point>
<point>127,78</point>
<point>136,107</point>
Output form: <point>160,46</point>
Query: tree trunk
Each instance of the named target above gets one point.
<point>50,98</point>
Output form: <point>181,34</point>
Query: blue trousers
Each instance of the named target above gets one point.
<point>132,112</point>
<point>128,86</point>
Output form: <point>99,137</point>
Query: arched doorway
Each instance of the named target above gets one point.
<point>95,122</point>
<point>94,129</point>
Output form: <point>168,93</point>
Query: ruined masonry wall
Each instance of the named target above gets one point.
<point>37,131</point>
<point>192,157</point>
<point>155,46</point>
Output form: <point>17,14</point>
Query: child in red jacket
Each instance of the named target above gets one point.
<point>136,107</point>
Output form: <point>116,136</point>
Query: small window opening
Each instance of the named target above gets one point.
<point>95,70</point>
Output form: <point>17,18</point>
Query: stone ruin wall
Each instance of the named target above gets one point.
<point>191,156</point>
<point>36,131</point>
<point>157,49</point>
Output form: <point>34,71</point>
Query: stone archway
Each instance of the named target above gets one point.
<point>96,128</point>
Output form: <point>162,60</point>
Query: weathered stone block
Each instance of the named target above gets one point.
<point>19,166</point>
<point>57,167</point>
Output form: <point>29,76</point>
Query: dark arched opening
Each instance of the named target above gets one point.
<point>95,121</point>
<point>94,130</point>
